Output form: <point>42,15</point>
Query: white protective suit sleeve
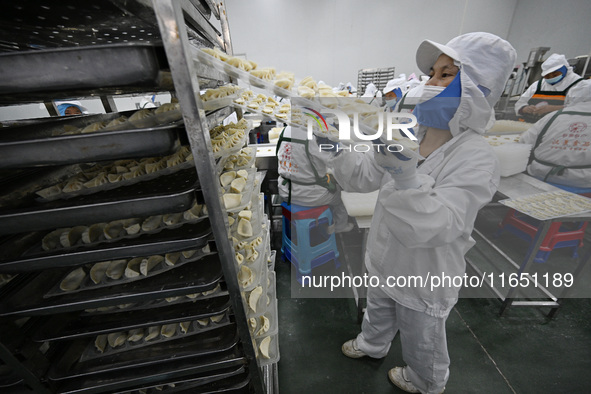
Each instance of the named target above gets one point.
<point>358,172</point>
<point>522,102</point>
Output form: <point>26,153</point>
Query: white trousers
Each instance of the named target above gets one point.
<point>424,343</point>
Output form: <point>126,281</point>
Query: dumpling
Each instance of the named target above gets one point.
<point>237,185</point>
<point>98,271</point>
<point>93,233</point>
<point>167,107</point>
<point>253,298</point>
<point>152,223</point>
<point>93,127</point>
<point>171,258</point>
<point>216,318</point>
<point>72,237</point>
<point>100,179</point>
<point>116,269</point>
<point>244,228</point>
<point>141,114</point>
<point>135,335</point>
<point>148,264</point>
<point>265,325</point>
<point>187,254</point>
<point>264,347</point>
<point>153,332</point>
<point>168,330</point>
<point>116,339</point>
<point>73,185</point>
<point>193,213</point>
<point>100,343</point>
<point>133,268</point>
<point>245,276</point>
<point>73,280</point>
<point>172,218</point>
<point>232,200</point>
<point>185,326</point>
<point>117,121</point>
<point>227,177</point>
<point>50,191</point>
<point>52,240</point>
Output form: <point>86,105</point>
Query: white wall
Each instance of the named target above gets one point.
<point>332,39</point>
<point>562,25</point>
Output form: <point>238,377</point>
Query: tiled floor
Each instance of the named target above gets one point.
<point>519,352</point>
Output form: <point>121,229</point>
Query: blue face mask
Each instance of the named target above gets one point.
<point>555,80</point>
<point>438,111</point>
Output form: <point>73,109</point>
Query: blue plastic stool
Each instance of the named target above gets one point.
<point>308,239</point>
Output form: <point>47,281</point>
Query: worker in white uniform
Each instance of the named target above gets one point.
<point>548,94</point>
<point>561,141</point>
<point>424,216</point>
<point>303,178</point>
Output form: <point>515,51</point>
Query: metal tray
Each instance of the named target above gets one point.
<point>72,326</point>
<point>25,295</point>
<point>131,378</point>
<point>174,193</point>
<point>38,144</point>
<point>193,382</point>
<point>24,253</point>
<point>210,342</point>
<point>80,68</point>
<point>234,385</point>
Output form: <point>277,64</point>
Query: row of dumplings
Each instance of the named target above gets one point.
<point>263,103</point>
<point>218,93</point>
<point>284,79</point>
<point>122,268</point>
<point>233,184</point>
<point>72,236</point>
<point>105,342</point>
<point>140,114</point>
<point>242,159</point>
<point>168,300</point>
<point>228,136</point>
<point>120,170</point>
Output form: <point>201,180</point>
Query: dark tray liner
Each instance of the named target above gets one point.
<point>77,68</point>
<point>88,284</point>
<point>73,326</point>
<point>174,193</point>
<point>162,302</point>
<point>210,342</point>
<point>24,253</point>
<point>130,378</point>
<point>91,353</point>
<point>194,381</point>
<point>34,145</point>
<point>25,295</point>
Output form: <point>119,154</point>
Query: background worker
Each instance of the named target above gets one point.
<point>548,94</point>
<point>561,142</point>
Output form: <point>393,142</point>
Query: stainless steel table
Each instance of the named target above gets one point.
<point>518,186</point>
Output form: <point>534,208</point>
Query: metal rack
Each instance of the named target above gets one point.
<point>182,25</point>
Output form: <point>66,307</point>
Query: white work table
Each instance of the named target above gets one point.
<point>360,206</point>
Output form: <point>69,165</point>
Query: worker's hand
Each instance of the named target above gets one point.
<point>529,109</point>
<point>402,167</point>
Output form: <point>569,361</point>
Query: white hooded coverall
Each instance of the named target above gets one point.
<point>566,141</point>
<point>425,232</point>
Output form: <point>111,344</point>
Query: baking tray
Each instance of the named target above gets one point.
<point>131,378</point>
<point>188,383</point>
<point>79,68</point>
<point>75,325</point>
<point>24,252</point>
<point>39,144</point>
<point>25,295</point>
<point>68,366</point>
<point>174,193</point>
<point>234,384</point>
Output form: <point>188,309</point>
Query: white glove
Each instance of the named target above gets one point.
<point>402,168</point>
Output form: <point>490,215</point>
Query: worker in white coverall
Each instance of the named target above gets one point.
<point>561,141</point>
<point>548,94</point>
<point>303,178</point>
<point>424,215</point>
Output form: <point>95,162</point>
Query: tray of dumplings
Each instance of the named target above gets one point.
<point>226,380</point>
<point>248,71</point>
<point>214,341</point>
<point>217,291</point>
<point>76,325</point>
<point>27,298</point>
<point>219,97</point>
<point>116,272</point>
<point>214,365</point>
<point>117,174</point>
<point>178,192</point>
<point>266,323</point>
<point>251,264</point>
<point>262,300</point>
<point>243,160</point>
<point>28,251</point>
<point>246,225</point>
<point>263,105</point>
<point>229,139</point>
<point>92,138</point>
<point>550,205</point>
<point>237,188</point>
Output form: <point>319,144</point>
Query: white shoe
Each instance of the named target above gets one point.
<point>349,349</point>
<point>397,376</point>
